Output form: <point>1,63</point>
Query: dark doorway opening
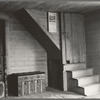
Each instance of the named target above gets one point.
<point>2,55</point>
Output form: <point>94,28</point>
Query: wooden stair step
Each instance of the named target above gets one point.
<point>92,88</point>
<point>82,72</point>
<point>87,89</point>
<point>87,80</point>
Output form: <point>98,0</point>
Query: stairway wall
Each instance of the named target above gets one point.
<point>43,18</point>
<point>92,30</point>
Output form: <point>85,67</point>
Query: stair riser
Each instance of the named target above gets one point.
<point>92,93</point>
<point>74,66</point>
<point>82,73</point>
<point>92,90</point>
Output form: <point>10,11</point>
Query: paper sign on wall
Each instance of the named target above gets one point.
<point>52,18</point>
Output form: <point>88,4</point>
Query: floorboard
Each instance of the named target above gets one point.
<point>56,94</point>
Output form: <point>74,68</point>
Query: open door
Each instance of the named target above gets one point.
<point>2,58</point>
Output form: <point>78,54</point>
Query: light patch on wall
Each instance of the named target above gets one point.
<point>52,20</point>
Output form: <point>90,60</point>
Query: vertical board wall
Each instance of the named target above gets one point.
<point>75,37</point>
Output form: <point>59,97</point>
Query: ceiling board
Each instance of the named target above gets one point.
<point>47,5</point>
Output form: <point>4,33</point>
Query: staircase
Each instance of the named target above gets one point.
<point>82,80</point>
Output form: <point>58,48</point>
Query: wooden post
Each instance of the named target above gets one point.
<point>63,39</point>
<point>29,87</point>
<point>63,36</point>
<point>36,86</point>
<point>23,88</point>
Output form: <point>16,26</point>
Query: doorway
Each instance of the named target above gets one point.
<point>2,57</point>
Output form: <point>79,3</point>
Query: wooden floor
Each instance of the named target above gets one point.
<point>55,94</point>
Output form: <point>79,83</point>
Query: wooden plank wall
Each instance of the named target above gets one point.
<point>75,37</point>
<point>92,26</point>
<point>42,16</point>
<point>24,53</point>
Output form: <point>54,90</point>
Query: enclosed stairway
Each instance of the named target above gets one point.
<point>82,80</point>
<point>54,56</point>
